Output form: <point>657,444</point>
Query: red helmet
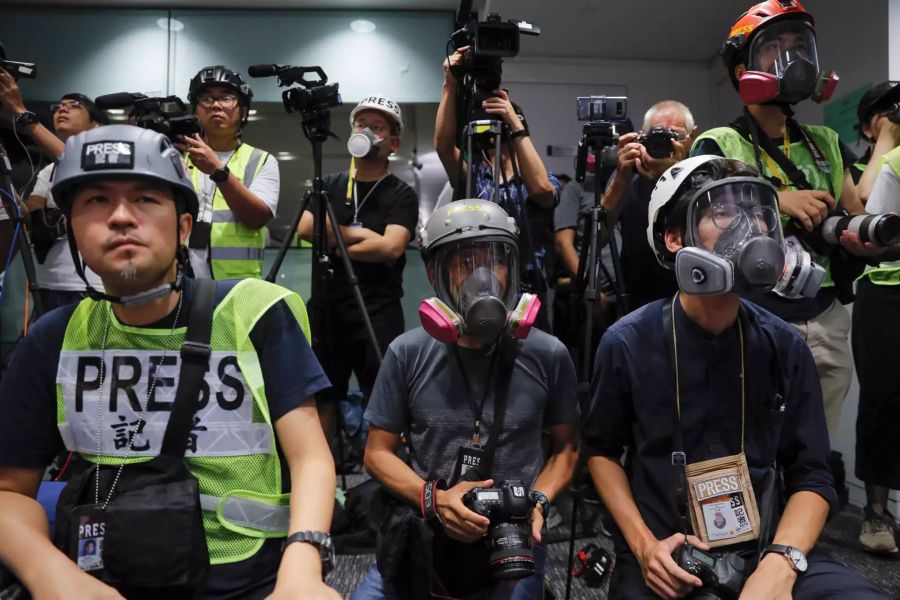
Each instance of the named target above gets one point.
<point>757,17</point>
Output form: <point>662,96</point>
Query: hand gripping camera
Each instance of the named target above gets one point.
<point>509,536</point>
<point>658,141</point>
<point>168,116</point>
<point>723,574</point>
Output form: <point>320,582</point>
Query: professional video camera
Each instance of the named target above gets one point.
<point>509,537</point>
<point>723,573</point>
<point>168,116</point>
<point>594,565</point>
<point>17,69</point>
<point>489,41</point>
<point>311,99</point>
<point>606,119</point>
<point>658,141</point>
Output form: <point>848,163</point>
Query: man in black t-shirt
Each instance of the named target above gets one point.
<point>377,215</point>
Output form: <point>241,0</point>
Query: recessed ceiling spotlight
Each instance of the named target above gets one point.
<point>116,111</point>
<point>170,24</point>
<point>252,112</point>
<point>362,26</point>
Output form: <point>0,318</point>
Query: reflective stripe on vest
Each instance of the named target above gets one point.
<point>234,455</point>
<point>734,145</point>
<point>236,251</point>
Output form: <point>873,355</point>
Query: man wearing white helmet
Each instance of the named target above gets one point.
<point>713,400</point>
<point>377,215</point>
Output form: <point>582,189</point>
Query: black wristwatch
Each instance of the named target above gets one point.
<point>520,133</point>
<point>320,540</point>
<point>219,175</point>
<point>26,118</point>
<point>794,555</point>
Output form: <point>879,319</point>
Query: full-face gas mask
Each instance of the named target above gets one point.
<point>471,249</point>
<point>732,237</point>
<point>783,66</point>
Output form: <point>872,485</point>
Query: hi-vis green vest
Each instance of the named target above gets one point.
<point>736,146</point>
<point>887,273</point>
<point>232,446</point>
<point>235,250</point>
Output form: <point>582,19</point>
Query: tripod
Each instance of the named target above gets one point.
<point>317,129</point>
<point>8,199</point>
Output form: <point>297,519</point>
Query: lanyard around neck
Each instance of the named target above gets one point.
<point>358,207</point>
<point>477,409</point>
<point>678,381</point>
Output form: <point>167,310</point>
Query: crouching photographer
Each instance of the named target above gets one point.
<point>472,390</point>
<point>717,401</point>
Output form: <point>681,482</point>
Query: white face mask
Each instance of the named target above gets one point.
<point>364,144</point>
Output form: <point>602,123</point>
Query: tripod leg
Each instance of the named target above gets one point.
<point>286,243</point>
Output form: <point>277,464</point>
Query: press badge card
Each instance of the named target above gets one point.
<point>89,545</point>
<point>723,507</point>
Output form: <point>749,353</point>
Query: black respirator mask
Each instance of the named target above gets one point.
<point>734,243</point>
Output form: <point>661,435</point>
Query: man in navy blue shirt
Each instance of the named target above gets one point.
<point>745,392</point>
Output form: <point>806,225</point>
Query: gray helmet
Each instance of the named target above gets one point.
<point>122,151</point>
<point>466,220</point>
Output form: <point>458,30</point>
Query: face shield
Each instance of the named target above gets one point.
<point>736,221</point>
<point>787,52</point>
<point>469,270</point>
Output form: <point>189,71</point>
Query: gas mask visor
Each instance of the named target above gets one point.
<point>736,219</point>
<point>787,51</point>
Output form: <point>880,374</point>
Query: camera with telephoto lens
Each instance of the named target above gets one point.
<point>593,565</point>
<point>658,141</point>
<point>881,230</point>
<point>607,119</point>
<point>509,536</point>
<point>168,116</point>
<point>723,573</point>
<point>489,42</point>
<point>17,69</point>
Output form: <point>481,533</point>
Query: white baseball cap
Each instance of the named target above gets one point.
<point>381,103</point>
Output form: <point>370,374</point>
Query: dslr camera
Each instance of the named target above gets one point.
<point>658,141</point>
<point>168,116</point>
<point>509,537</point>
<point>723,574</point>
<point>18,70</point>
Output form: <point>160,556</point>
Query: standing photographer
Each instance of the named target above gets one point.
<point>713,400</point>
<point>541,189</point>
<point>472,394</point>
<point>377,214</point>
<point>24,119</point>
<point>775,42</point>
<point>238,184</point>
<point>878,110</point>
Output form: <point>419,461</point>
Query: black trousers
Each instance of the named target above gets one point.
<point>823,579</point>
<point>342,345</point>
<point>876,321</point>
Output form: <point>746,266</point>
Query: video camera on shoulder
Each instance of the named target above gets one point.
<point>168,116</point>
<point>723,573</point>
<point>606,118</point>
<point>18,70</point>
<point>658,141</point>
<point>509,536</point>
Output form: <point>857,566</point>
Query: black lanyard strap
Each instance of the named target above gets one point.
<point>477,409</point>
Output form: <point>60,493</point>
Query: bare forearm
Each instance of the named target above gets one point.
<point>557,473</point>
<point>802,521</point>
<point>612,198</point>
<point>247,207</point>
<point>50,145</point>
<point>565,248</point>
<point>375,249</point>
<point>615,491</point>
<point>394,474</point>
<point>534,173</point>
<point>26,548</point>
<point>445,121</point>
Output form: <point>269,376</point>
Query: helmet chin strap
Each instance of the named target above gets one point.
<point>132,299</point>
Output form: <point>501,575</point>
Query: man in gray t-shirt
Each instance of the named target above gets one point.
<point>439,385</point>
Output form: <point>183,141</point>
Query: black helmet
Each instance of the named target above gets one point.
<point>219,75</point>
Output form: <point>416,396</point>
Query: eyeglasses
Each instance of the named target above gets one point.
<point>226,101</point>
<point>376,128</point>
<point>67,104</point>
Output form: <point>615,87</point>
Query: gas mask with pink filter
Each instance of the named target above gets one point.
<point>784,66</point>
<point>471,250</point>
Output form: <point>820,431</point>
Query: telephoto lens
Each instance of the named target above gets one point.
<point>881,230</point>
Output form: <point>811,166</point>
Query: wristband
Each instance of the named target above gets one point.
<point>520,133</point>
<point>539,498</point>
<point>26,118</point>
<point>426,502</point>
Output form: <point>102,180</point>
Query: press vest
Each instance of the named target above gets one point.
<point>235,250</point>
<point>736,146</point>
<point>232,446</point>
<point>887,273</point>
